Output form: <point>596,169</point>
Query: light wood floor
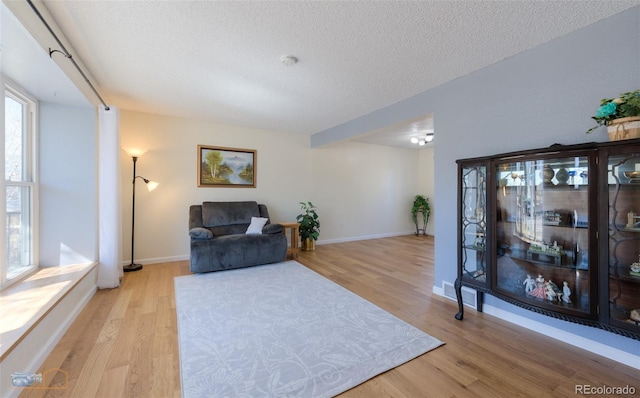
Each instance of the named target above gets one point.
<point>124,343</point>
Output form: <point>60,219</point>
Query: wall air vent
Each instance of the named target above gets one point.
<point>469,296</point>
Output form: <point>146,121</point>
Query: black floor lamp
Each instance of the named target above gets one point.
<point>151,185</point>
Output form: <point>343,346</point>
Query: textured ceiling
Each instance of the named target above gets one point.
<point>220,60</point>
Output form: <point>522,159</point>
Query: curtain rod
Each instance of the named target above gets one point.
<point>65,53</point>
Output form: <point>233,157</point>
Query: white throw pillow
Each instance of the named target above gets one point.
<point>256,225</point>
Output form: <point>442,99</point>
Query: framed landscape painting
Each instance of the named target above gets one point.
<point>226,167</point>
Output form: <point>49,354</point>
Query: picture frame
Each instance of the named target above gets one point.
<point>221,167</point>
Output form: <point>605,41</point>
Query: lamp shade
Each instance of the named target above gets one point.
<point>151,185</point>
<point>134,151</point>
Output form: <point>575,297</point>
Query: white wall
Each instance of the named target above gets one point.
<point>361,190</point>
<point>282,172</point>
<point>68,173</point>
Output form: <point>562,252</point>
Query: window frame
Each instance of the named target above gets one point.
<point>29,179</point>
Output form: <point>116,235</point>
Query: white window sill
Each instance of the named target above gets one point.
<point>25,303</point>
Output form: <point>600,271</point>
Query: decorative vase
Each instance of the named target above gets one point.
<point>547,174</point>
<point>562,176</point>
<point>308,245</point>
<point>625,128</point>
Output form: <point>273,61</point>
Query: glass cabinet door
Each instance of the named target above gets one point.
<point>542,233</point>
<point>623,180</point>
<point>473,224</point>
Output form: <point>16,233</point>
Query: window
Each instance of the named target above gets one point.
<point>20,183</point>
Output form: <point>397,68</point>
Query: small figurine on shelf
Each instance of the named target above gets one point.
<point>552,291</point>
<point>635,268</point>
<point>539,291</point>
<point>635,316</point>
<point>529,284</point>
<point>566,292</point>
<point>585,177</point>
<point>479,242</point>
<point>479,275</point>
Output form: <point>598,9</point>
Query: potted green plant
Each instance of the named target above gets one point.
<point>309,226</point>
<point>421,205</point>
<point>621,115</point>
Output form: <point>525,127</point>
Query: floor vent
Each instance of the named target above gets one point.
<point>469,296</point>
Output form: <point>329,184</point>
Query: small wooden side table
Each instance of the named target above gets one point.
<point>292,251</point>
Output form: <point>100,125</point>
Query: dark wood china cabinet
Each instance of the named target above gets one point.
<point>556,231</point>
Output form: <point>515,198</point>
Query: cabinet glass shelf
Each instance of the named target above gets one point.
<point>546,208</point>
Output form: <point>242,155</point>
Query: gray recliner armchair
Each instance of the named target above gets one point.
<point>219,238</point>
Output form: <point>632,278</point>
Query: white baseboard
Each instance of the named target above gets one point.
<point>566,337</point>
<point>158,260</point>
<point>185,257</point>
<point>558,334</point>
<point>363,237</point>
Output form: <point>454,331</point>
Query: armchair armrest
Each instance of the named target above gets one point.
<point>195,216</point>
<point>271,229</point>
<point>200,233</point>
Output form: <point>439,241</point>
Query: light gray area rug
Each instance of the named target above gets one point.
<point>283,330</point>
